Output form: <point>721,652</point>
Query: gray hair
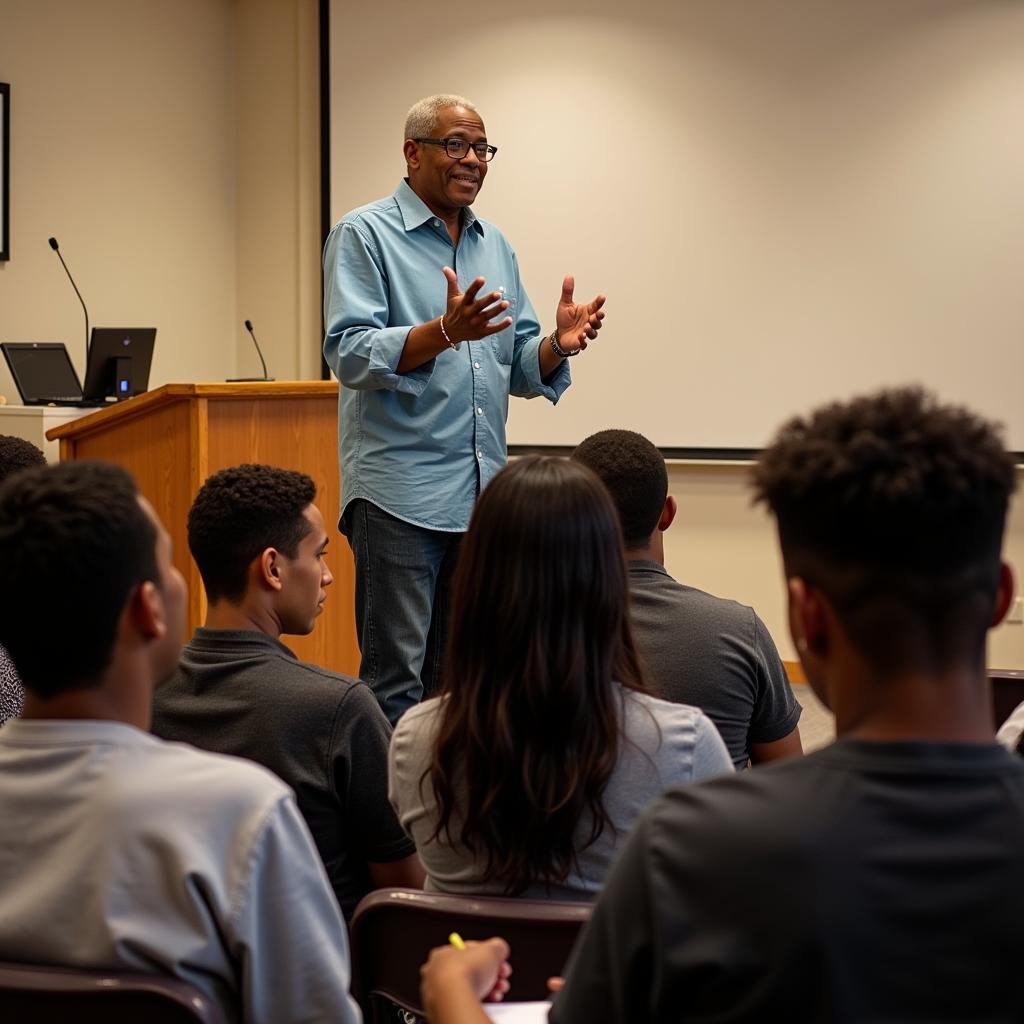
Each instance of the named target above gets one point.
<point>421,120</point>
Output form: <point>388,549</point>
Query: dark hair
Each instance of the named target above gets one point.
<point>634,472</point>
<point>530,720</point>
<point>240,512</point>
<point>895,507</point>
<point>75,544</point>
<point>16,454</point>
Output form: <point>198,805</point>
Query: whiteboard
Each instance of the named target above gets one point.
<point>785,201</point>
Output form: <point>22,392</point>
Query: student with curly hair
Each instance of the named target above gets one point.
<point>876,879</point>
<point>526,774</point>
<point>260,543</point>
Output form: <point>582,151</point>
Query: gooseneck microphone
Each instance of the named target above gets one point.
<point>56,249</point>
<point>248,380</point>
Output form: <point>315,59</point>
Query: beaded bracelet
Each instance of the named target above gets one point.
<point>453,345</point>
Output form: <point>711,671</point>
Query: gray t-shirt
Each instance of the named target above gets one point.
<point>664,745</point>
<point>714,654</point>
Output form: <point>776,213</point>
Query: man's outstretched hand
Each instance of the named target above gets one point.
<point>577,323</point>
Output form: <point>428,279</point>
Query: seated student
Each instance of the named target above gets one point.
<point>697,649</point>
<point>15,454</point>
<point>260,544</point>
<point>524,777</point>
<point>879,878</point>
<point>119,850</point>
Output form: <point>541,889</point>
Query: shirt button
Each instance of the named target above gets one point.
<point>437,223</point>
<point>479,454</point>
<point>476,366</point>
<point>479,411</point>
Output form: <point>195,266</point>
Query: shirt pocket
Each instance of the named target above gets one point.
<point>503,343</point>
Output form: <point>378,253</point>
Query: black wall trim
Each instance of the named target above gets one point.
<point>696,454</point>
<point>691,454</point>
<point>325,149</point>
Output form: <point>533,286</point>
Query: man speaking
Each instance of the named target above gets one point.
<point>429,330</point>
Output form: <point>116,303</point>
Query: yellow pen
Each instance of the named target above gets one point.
<point>456,940</point>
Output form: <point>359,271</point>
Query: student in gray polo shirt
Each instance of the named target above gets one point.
<point>698,649</point>
<point>260,544</point>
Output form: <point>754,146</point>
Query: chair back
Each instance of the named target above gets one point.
<point>56,995</point>
<point>1007,692</point>
<point>393,930</point>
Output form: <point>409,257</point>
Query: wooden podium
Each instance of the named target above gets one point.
<point>173,438</point>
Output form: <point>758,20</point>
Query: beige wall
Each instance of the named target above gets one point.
<point>278,175</point>
<point>721,544</point>
<point>172,149</point>
<point>122,134</point>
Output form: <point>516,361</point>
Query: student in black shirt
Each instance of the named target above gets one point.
<point>879,878</point>
<point>259,541</point>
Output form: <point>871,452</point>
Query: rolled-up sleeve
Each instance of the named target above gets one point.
<point>359,346</point>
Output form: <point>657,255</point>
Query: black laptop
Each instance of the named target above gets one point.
<point>43,373</point>
<point>117,368</point>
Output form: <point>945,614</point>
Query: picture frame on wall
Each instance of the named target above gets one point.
<point>5,171</point>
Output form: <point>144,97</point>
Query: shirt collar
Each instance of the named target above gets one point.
<point>637,566</point>
<point>416,213</point>
<point>233,641</point>
<point>72,731</point>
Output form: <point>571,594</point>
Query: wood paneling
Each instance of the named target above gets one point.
<point>299,433</point>
<point>173,438</point>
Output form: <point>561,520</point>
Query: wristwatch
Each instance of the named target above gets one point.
<point>557,349</point>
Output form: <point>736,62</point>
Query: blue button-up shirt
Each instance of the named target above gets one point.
<point>422,445</point>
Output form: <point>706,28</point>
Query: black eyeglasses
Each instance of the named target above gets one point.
<point>458,148</point>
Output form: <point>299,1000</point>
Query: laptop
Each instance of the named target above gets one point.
<point>117,368</point>
<point>44,374</point>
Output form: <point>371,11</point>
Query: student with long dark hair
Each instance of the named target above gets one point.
<point>526,773</point>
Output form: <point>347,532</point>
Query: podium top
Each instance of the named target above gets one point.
<point>170,393</point>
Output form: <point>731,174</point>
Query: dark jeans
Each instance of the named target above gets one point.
<point>403,582</point>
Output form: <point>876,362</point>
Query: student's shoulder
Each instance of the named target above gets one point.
<point>415,730</point>
<point>420,717</point>
<point>645,710</point>
<point>723,609</point>
<point>310,687</point>
<point>172,771</point>
<point>764,809</point>
<point>646,578</point>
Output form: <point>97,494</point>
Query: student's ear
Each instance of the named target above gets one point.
<point>808,621</point>
<point>269,568</point>
<point>1004,594</point>
<point>148,612</point>
<point>668,513</point>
